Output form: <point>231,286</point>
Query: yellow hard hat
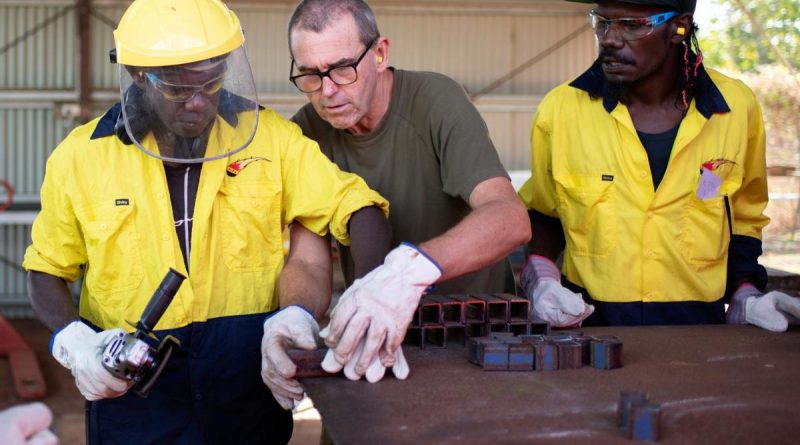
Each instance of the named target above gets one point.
<point>174,32</point>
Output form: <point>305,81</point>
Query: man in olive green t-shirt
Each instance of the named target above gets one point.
<point>415,138</point>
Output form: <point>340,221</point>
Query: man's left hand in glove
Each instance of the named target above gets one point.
<point>773,311</point>
<point>378,309</point>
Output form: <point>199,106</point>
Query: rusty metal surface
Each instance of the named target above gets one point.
<point>714,384</point>
<point>309,363</point>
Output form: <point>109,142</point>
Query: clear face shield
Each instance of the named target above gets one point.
<point>190,113</point>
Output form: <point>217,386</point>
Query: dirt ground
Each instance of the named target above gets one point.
<point>62,397</point>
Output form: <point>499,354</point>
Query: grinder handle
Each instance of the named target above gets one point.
<point>159,302</point>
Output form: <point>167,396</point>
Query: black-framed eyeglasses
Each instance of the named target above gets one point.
<point>340,75</point>
<point>629,28</point>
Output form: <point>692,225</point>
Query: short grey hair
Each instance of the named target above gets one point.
<point>317,15</point>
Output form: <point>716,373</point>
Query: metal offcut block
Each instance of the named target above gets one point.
<point>570,354</point>
<point>606,354</point>
<point>645,422</point>
<point>546,356</point>
<point>494,356</point>
<point>626,399</point>
<point>474,348</point>
<point>520,356</point>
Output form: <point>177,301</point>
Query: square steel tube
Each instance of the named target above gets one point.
<point>519,308</point>
<point>430,312</point>
<point>540,327</point>
<point>474,309</point>
<point>476,329</point>
<point>452,311</point>
<point>455,333</point>
<point>519,327</point>
<point>498,327</point>
<point>496,308</point>
<point>434,335</point>
<point>414,337</point>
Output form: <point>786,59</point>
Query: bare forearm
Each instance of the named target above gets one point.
<point>303,286</point>
<point>307,277</point>
<point>370,239</point>
<point>547,241</point>
<point>51,300</point>
<point>484,237</point>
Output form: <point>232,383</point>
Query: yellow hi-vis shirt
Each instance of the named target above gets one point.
<point>626,242</point>
<point>106,208</point>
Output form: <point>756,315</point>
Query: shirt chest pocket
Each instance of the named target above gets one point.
<point>112,247</point>
<point>704,230</point>
<point>587,212</point>
<point>250,219</point>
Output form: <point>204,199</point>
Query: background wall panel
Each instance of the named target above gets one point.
<point>37,45</point>
<point>14,238</point>
<point>102,21</point>
<point>28,133</point>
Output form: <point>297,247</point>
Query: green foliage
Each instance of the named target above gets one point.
<point>733,43</point>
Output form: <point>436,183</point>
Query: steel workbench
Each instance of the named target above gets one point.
<point>715,384</point>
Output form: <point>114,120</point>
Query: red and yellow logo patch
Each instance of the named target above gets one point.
<point>236,167</point>
<point>715,163</point>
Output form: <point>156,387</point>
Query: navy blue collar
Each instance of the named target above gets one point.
<point>708,98</point>
<point>111,122</point>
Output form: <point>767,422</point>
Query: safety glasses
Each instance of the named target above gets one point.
<point>184,93</point>
<point>628,28</point>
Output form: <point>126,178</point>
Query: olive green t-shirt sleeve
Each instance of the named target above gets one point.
<point>461,140</point>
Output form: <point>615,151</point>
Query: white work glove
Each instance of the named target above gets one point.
<point>550,301</point>
<point>80,349</point>
<point>291,327</point>
<point>773,311</point>
<point>375,371</point>
<point>379,308</point>
<point>27,425</point>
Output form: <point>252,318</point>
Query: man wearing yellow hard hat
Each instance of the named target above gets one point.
<point>188,172</point>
